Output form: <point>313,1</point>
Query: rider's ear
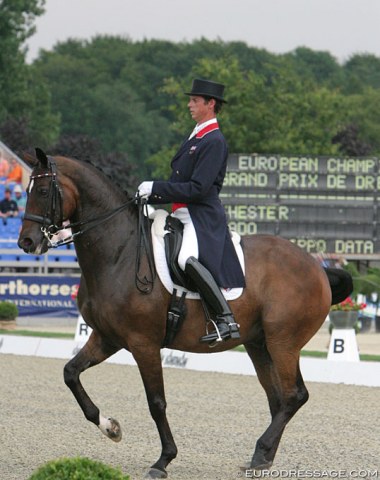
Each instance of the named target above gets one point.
<point>41,155</point>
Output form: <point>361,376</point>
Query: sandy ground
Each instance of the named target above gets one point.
<point>215,418</point>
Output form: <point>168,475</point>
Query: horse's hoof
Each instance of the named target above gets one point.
<point>251,466</point>
<point>111,428</point>
<point>156,473</point>
<point>245,467</point>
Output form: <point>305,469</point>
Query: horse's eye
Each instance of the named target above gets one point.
<point>43,191</point>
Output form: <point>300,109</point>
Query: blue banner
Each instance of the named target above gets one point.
<point>43,296</point>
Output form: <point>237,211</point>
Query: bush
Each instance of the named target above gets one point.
<point>8,311</point>
<point>77,469</point>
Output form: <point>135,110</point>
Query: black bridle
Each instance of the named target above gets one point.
<point>52,223</point>
<point>52,219</point>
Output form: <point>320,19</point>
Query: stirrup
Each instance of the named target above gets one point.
<point>216,330</point>
<point>230,330</point>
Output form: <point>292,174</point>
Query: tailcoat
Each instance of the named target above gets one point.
<point>198,170</point>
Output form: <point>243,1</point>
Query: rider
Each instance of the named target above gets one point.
<point>207,254</point>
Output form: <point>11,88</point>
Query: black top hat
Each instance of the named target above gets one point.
<point>206,88</point>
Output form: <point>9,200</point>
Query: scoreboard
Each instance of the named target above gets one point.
<point>324,204</point>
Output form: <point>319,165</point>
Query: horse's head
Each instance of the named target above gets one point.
<point>44,208</point>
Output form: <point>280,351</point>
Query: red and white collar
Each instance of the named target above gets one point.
<point>204,128</point>
<point>207,129</point>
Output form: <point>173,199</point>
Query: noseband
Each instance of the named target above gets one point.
<point>52,219</point>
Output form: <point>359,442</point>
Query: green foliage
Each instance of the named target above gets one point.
<point>129,96</point>
<point>363,111</point>
<point>161,162</point>
<point>77,469</point>
<point>8,311</point>
<point>23,97</point>
<point>365,284</point>
<point>370,282</point>
<point>362,71</point>
<point>320,67</point>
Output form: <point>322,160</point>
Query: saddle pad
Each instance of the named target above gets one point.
<point>159,217</point>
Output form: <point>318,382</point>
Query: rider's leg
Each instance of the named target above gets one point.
<point>204,281</point>
<point>225,321</point>
<point>189,247</point>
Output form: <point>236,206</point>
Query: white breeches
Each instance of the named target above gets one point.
<point>189,242</point>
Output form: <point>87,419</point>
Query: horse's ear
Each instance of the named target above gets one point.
<point>29,159</point>
<point>41,155</point>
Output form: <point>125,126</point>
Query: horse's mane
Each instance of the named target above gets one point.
<point>103,175</point>
<point>110,177</point>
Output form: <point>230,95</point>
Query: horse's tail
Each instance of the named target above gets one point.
<point>340,282</point>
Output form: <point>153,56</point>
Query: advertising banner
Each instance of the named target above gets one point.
<point>44,296</point>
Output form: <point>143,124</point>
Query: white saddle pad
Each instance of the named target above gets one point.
<point>158,232</point>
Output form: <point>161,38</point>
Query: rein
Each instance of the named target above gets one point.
<point>144,285</point>
<point>50,227</point>
<point>95,222</point>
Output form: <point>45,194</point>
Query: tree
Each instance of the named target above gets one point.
<point>98,93</point>
<point>362,71</point>
<point>16,25</point>
<point>320,67</point>
<point>350,143</point>
<point>24,99</point>
<point>130,97</point>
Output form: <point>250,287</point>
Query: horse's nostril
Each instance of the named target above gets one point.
<point>26,244</point>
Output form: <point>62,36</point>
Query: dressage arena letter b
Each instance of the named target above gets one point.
<point>338,345</point>
<point>343,345</point>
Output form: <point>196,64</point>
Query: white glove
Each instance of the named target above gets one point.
<point>145,189</point>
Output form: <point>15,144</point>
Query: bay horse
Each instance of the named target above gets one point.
<point>287,298</point>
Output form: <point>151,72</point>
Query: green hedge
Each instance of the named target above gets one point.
<point>8,311</point>
<point>77,469</point>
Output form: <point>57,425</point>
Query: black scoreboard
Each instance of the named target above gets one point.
<point>324,204</point>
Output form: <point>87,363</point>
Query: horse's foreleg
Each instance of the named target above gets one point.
<point>282,381</point>
<point>149,363</point>
<point>93,353</point>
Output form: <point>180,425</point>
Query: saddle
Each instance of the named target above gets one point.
<point>167,235</point>
<point>159,235</point>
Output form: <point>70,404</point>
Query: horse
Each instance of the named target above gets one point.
<point>286,299</point>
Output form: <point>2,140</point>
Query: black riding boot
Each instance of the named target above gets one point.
<point>226,326</point>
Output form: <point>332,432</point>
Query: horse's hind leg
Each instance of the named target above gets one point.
<point>281,378</point>
<point>93,353</point>
<point>150,366</point>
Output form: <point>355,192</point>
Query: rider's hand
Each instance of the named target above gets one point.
<point>145,189</point>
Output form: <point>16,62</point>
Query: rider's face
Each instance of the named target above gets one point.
<point>201,109</point>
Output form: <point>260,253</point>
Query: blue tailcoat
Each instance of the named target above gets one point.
<point>198,170</point>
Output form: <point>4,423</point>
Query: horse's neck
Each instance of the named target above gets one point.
<point>104,241</point>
